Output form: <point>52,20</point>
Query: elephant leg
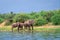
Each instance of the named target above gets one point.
<point>32,27</point>
<point>18,29</point>
<point>25,27</point>
<point>21,28</point>
<point>12,29</point>
<point>29,27</point>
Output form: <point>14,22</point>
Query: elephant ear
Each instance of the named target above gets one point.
<point>14,24</point>
<point>26,21</point>
<point>18,23</point>
<point>31,21</point>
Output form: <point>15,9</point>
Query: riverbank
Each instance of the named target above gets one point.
<point>36,28</point>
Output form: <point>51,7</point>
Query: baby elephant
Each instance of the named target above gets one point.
<point>18,24</point>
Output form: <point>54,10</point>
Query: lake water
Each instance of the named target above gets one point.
<point>29,35</point>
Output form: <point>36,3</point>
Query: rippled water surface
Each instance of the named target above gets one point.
<point>29,35</point>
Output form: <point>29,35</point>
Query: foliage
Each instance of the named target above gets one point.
<point>56,19</point>
<point>40,21</point>
<point>41,17</point>
<point>20,17</point>
<point>1,20</point>
<point>46,15</point>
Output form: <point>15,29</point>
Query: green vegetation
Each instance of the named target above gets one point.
<point>8,28</point>
<point>40,21</point>
<point>20,17</point>
<point>48,29</point>
<point>1,20</point>
<point>41,18</point>
<point>56,19</point>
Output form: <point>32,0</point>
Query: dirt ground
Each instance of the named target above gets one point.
<point>3,24</point>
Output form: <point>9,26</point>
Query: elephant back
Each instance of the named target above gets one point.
<point>14,25</point>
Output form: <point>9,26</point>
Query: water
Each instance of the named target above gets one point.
<point>29,35</point>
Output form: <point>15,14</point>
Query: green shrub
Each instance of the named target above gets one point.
<point>40,21</point>
<point>20,17</point>
<point>1,20</point>
<point>9,22</point>
<point>56,19</point>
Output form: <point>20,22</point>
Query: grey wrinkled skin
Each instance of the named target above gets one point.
<point>18,24</point>
<point>27,25</point>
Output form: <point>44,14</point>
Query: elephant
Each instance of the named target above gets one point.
<point>14,25</point>
<point>18,24</point>
<point>28,24</point>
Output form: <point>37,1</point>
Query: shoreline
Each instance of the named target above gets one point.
<point>36,28</point>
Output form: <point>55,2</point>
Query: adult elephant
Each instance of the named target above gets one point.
<point>18,24</point>
<point>28,24</point>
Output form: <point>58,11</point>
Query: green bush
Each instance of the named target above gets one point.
<point>20,17</point>
<point>9,22</point>
<point>1,20</point>
<point>56,19</point>
<point>40,21</point>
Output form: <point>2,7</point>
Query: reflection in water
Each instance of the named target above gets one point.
<point>29,35</point>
